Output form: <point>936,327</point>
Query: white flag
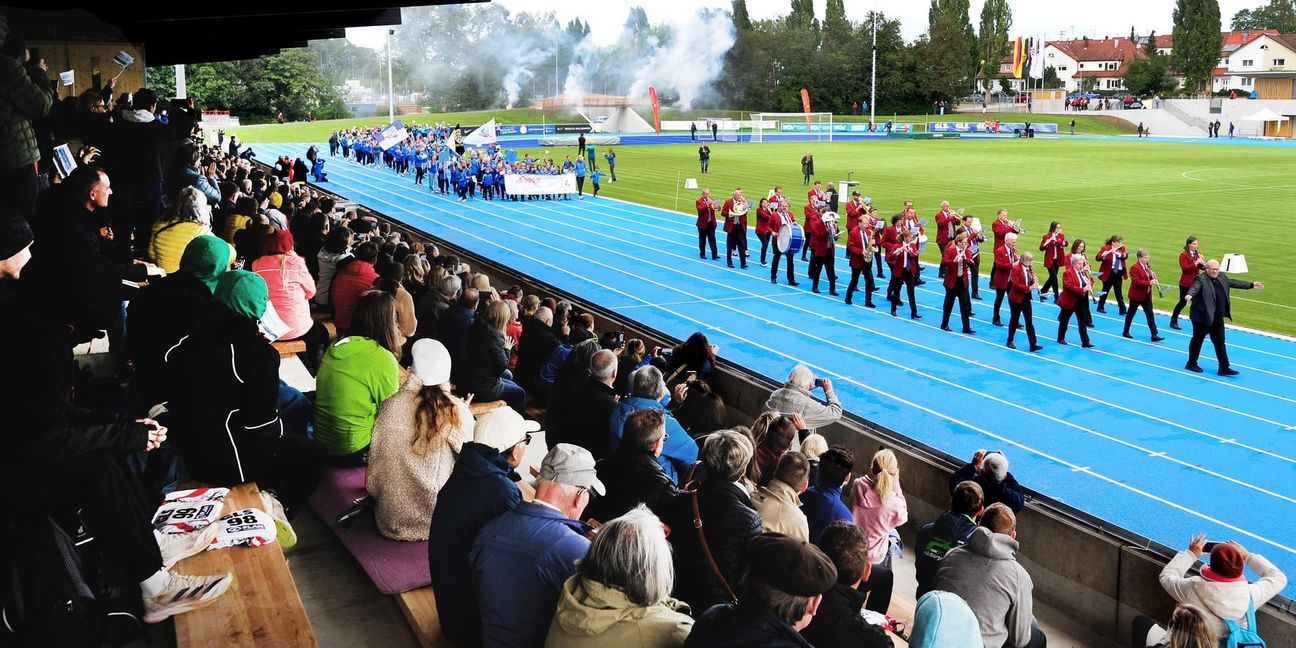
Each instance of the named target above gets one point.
<point>485,134</point>
<point>1037,59</point>
<point>67,78</point>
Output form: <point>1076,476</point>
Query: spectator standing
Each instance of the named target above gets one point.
<point>704,155</point>
<point>1221,590</point>
<point>633,474</point>
<point>479,489</point>
<point>778,502</point>
<point>807,167</point>
<point>522,558</point>
<point>838,622</point>
<point>693,131</point>
<point>780,596</point>
<point>794,398</point>
<point>646,391</point>
<point>879,508</point>
<point>950,531</point>
<point>26,95</point>
<point>822,502</point>
<point>990,471</point>
<point>620,595</point>
<point>986,575</point>
<point>610,156</point>
<point>453,326</point>
<point>590,407</point>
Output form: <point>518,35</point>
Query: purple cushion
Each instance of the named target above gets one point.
<point>393,566</point>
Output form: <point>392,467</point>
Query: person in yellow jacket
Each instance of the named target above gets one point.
<point>192,218</point>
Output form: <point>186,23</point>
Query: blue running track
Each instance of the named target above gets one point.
<point>1121,431</point>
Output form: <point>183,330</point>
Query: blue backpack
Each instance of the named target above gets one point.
<point>1239,637</point>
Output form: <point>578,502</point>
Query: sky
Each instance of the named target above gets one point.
<point>1054,19</point>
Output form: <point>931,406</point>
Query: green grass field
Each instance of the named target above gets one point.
<point>1235,198</point>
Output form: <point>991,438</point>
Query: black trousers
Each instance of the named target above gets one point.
<point>316,340</point>
<point>880,583</point>
<point>907,279</point>
<point>707,235</point>
<point>764,241</point>
<point>791,262</point>
<point>580,185</point>
<point>959,292</point>
<point>999,298</point>
<point>1051,283</point>
<point>878,262</point>
<point>1179,306</point>
<point>110,501</point>
<point>1216,332</point>
<point>975,269</point>
<point>1081,312</point>
<point>736,239</point>
<point>1015,313</point>
<point>1146,305</point>
<point>819,264</point>
<point>869,286</point>
<point>1114,283</point>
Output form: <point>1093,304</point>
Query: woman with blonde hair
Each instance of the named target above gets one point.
<point>879,508</point>
<point>415,279</point>
<point>1189,627</point>
<point>486,354</point>
<point>416,438</point>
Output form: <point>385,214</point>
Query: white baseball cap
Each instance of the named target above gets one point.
<point>431,362</point>
<point>502,429</point>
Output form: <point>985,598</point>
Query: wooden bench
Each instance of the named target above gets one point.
<point>326,318</point>
<point>289,347</point>
<point>419,608</point>
<point>262,606</point>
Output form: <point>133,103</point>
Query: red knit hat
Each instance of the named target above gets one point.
<point>281,242</point>
<point>1225,564</point>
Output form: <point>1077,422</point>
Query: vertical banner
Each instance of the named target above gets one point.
<point>652,97</point>
<point>805,105</point>
<point>1018,57</point>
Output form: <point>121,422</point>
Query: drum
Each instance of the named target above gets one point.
<point>790,238</point>
<point>922,243</point>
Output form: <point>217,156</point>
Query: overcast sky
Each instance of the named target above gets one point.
<point>1052,19</point>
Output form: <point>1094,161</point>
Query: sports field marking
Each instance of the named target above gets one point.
<point>847,379</point>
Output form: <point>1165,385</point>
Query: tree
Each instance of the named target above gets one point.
<point>1147,75</point>
<point>992,38</point>
<point>1277,14</point>
<point>943,70</point>
<point>956,10</point>
<point>1051,79</point>
<point>1197,40</point>
<point>741,19</point>
<point>1150,48</point>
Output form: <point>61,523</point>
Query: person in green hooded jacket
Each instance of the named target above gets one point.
<point>166,311</point>
<point>359,371</point>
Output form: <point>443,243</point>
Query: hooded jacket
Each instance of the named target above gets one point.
<point>291,288</point>
<point>838,623</point>
<point>355,376</point>
<point>986,575</point>
<point>878,518</point>
<point>943,620</point>
<point>935,539</point>
<point>1221,600</point>
<point>678,452</point>
<point>350,281</point>
<point>592,615</point>
<point>480,488</point>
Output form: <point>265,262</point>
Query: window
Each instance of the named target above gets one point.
<point>1246,82</point>
<point>1280,62</point>
<point>1248,62</point>
<point>1113,84</point>
<point>1225,62</point>
<point>1082,66</point>
<point>1111,66</point>
<point>1062,69</point>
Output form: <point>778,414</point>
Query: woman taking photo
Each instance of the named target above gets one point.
<point>486,354</point>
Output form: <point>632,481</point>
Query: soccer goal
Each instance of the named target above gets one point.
<point>820,126</point>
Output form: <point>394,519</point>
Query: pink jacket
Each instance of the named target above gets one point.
<point>877,518</point>
<point>291,288</point>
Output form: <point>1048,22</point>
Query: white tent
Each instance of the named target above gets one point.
<point>1265,115</point>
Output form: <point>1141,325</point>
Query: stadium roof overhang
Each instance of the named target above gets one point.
<point>174,33</point>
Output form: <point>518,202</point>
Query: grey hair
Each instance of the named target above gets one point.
<point>603,365</point>
<point>647,382</point>
<point>726,453</point>
<point>801,377</point>
<point>1141,254</point>
<point>630,553</point>
<point>995,466</point>
<point>192,206</point>
<point>1027,257</point>
<point>449,286</point>
<point>544,315</point>
<point>1010,236</point>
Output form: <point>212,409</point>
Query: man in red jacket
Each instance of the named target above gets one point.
<point>904,270</point>
<point>948,223</point>
<point>1001,227</point>
<point>734,213</point>
<point>859,244</point>
<point>823,249</point>
<point>811,213</point>
<point>1142,280</point>
<point>975,238</point>
<point>777,219</point>
<point>706,224</point>
<point>1005,257</point>
<point>955,261</point>
<point>1074,300</point>
<point>1021,281</point>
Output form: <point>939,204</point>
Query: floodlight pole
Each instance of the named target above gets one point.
<point>391,97</point>
<point>873,69</point>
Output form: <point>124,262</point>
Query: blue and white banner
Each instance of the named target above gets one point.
<point>980,127</point>
<point>482,135</point>
<point>843,127</point>
<point>527,184</point>
<point>392,135</point>
<point>526,129</point>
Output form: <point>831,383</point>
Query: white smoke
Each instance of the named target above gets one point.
<point>584,60</point>
<point>513,81</point>
<point>690,60</point>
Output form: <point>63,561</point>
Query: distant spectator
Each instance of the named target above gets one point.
<point>620,595</point>
<point>779,597</point>
<point>632,474</point>
<point>986,575</point>
<point>990,471</point>
<point>950,531</point>
<point>778,503</point>
<point>727,520</point>
<point>521,559</point>
<point>794,397</point>
<point>646,391</point>
<point>1221,590</point>
<point>839,622</point>
<point>352,279</point>
<point>537,343</point>
<point>943,620</point>
<point>779,437</point>
<point>435,301</point>
<point>812,447</point>
<point>702,411</point>
<point>291,288</point>
<point>480,488</point>
<point>417,435</point>
<point>391,281</point>
<point>590,407</point>
<point>879,508</point>
<point>191,218</point>
<point>191,174</point>
<point>359,371</point>
<point>632,356</point>
<point>337,246</point>
<point>695,354</point>
<point>26,95</point>
<point>452,329</point>
<point>822,502</point>
<point>486,353</point>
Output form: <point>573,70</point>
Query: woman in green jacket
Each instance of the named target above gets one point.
<point>358,372</point>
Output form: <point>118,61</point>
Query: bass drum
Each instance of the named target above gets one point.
<point>790,238</point>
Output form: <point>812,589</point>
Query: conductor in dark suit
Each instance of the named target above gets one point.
<point>1209,300</point>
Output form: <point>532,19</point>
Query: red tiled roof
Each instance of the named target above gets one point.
<point>1111,49</point>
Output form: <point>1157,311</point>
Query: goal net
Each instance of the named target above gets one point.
<point>792,126</point>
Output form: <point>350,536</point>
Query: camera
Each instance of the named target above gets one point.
<point>818,383</point>
<point>1210,546</point>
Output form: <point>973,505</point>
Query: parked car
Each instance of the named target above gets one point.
<point>1136,104</point>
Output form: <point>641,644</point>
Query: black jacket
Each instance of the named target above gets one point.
<point>935,539</point>
<point>838,623</point>
<point>132,156</point>
<point>585,418</point>
<point>742,626</point>
<point>729,522</point>
<point>224,400</point>
<point>1205,308</point>
<point>484,361</point>
<point>452,330</point>
<point>632,477</point>
<point>1006,492</point>
<point>428,308</point>
<point>159,316</point>
<point>534,348</point>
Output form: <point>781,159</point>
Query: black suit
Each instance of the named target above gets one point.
<point>1210,305</point>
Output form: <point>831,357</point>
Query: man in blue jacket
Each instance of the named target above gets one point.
<point>646,387</point>
<point>522,558</point>
<point>480,488</point>
<point>822,502</point>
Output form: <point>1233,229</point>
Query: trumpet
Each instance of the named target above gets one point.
<point>1017,228</point>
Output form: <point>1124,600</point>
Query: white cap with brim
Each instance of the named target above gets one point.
<point>572,465</point>
<point>502,429</point>
<point>431,362</point>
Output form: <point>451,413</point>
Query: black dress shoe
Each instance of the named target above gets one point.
<point>1100,309</point>
<point>870,304</point>
<point>1228,372</point>
<point>920,282</point>
<point>1122,311</point>
<point>774,281</point>
<point>915,316</point>
<point>1087,345</point>
<point>794,283</point>
<point>1175,326</point>
<point>1157,338</point>
<point>976,297</point>
<point>848,301</point>
<point>730,265</point>
<point>1036,347</point>
<point>1193,368</point>
<point>715,257</point>
<point>1010,345</point>
<point>1062,342</point>
<point>893,313</point>
<point>1127,335</point>
<point>744,267</point>
<point>834,293</point>
<point>969,331</point>
<point>814,290</point>
<point>946,328</point>
<point>996,322</point>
